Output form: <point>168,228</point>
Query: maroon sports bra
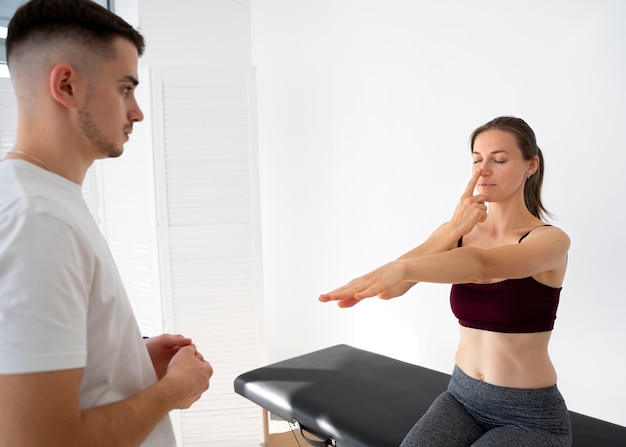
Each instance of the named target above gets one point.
<point>512,306</point>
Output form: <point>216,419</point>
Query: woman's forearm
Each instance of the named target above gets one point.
<point>451,267</point>
<point>444,238</point>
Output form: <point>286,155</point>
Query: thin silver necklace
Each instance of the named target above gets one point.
<point>32,157</point>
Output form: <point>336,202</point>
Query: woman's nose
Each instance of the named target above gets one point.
<point>484,169</point>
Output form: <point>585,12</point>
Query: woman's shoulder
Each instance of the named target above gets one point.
<point>545,231</point>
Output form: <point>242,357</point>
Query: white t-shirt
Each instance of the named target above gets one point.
<point>62,302</point>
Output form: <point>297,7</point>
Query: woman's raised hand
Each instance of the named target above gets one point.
<point>471,208</point>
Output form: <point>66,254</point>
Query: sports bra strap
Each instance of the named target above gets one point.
<point>460,241</point>
<point>522,238</point>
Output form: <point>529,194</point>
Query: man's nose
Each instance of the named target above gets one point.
<point>135,114</point>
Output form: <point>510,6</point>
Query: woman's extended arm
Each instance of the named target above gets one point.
<point>541,252</point>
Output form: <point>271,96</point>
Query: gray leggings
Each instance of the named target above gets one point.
<point>477,414</point>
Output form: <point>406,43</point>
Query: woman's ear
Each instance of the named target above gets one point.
<point>63,82</point>
<point>533,166</point>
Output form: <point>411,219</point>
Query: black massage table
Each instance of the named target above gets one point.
<point>349,397</point>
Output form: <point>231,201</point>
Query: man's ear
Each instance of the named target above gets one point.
<point>63,84</point>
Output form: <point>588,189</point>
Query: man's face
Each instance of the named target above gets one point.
<point>110,108</point>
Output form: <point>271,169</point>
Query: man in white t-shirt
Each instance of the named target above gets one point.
<point>74,368</point>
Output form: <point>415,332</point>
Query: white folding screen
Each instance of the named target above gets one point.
<point>209,237</point>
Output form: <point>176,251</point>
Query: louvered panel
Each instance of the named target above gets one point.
<point>207,156</point>
<point>214,282</point>
<point>8,116</point>
<point>195,428</point>
<point>214,291</point>
<point>131,238</point>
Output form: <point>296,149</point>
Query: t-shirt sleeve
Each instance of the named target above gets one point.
<point>45,277</point>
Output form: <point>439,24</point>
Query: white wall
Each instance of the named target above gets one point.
<point>365,109</point>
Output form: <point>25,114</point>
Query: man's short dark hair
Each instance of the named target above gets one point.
<point>82,21</point>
